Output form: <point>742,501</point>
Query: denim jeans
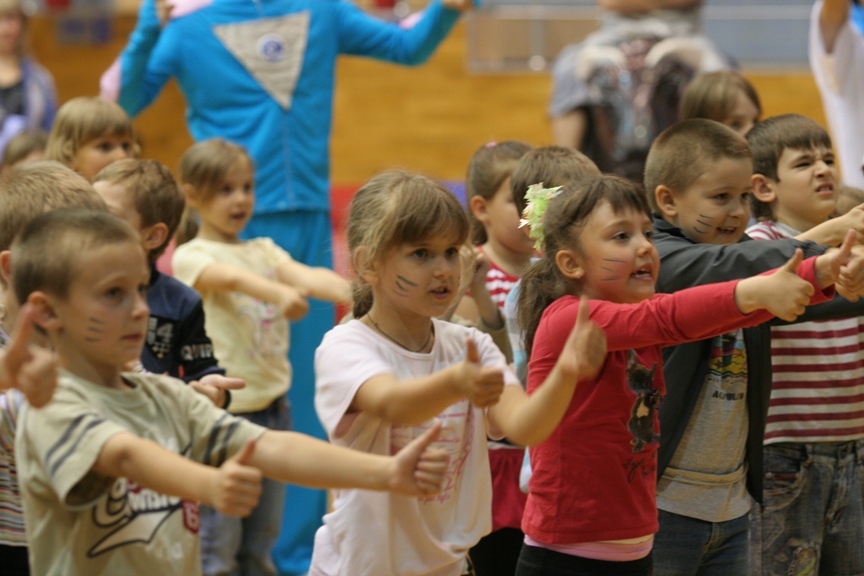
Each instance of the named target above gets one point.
<point>812,521</point>
<point>242,546</point>
<point>536,561</point>
<point>686,546</point>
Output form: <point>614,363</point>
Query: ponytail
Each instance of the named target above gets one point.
<point>188,227</point>
<point>541,285</point>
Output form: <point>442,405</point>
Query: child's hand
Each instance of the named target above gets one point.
<point>481,269</point>
<point>26,366</point>
<point>418,469</point>
<point>782,293</point>
<point>585,350</point>
<point>213,386</point>
<point>481,385</point>
<point>292,302</point>
<point>236,485</point>
<point>847,267</point>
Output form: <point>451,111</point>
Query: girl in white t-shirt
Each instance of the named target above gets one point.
<point>387,375</point>
<point>249,289</point>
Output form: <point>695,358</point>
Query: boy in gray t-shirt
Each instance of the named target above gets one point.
<point>113,468</point>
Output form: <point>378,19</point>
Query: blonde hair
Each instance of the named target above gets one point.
<point>22,145</point>
<point>713,95</point>
<point>82,120</point>
<point>204,167</point>
<point>392,209</point>
<point>155,194</point>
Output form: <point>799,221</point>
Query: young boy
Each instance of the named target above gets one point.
<point>813,511</point>
<point>145,194</point>
<point>114,466</point>
<point>713,417</point>
<point>26,192</point>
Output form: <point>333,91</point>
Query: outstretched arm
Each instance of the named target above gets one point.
<point>291,301</point>
<point>317,282</point>
<point>832,17</point>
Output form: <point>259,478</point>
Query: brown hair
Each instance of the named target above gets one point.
<point>204,166</point>
<point>32,189</point>
<point>680,154</point>
<point>713,95</point>
<point>392,209</point>
<point>770,137</point>
<point>490,166</point>
<point>563,222</point>
<point>155,194</point>
<point>66,235</point>
<point>22,145</point>
<point>552,166</point>
<point>83,119</point>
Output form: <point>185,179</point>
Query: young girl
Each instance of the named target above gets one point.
<point>250,289</point>
<point>508,251</point>
<point>89,133</point>
<point>591,508</point>
<point>384,377</point>
<point>725,96</point>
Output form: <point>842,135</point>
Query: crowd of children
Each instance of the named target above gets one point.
<point>688,381</point>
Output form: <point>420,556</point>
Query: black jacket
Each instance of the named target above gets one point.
<point>683,264</point>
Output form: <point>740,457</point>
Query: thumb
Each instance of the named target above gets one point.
<point>792,264</point>
<point>429,436</point>
<point>582,318</point>
<point>471,354</point>
<point>19,340</point>
<point>245,454</point>
<point>846,246</point>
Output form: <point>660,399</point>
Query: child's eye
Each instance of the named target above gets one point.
<point>451,253</point>
<point>142,289</point>
<point>421,253</point>
<point>105,147</point>
<point>649,234</point>
<point>620,236</point>
<point>722,197</point>
<point>114,293</point>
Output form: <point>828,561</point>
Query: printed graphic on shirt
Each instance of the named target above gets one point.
<point>457,429</point>
<point>727,368</point>
<point>160,336</point>
<point>133,514</point>
<point>264,323</point>
<point>271,50</point>
<point>640,379</point>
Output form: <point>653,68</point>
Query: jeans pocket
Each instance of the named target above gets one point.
<point>785,474</point>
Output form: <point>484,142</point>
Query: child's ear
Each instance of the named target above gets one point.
<point>365,269</point>
<point>6,267</point>
<point>763,188</point>
<point>478,208</point>
<point>570,264</point>
<point>154,236</point>
<point>191,194</point>
<point>44,311</point>
<point>665,200</point>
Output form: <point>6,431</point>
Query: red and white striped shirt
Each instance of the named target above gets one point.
<point>499,283</point>
<point>818,373</point>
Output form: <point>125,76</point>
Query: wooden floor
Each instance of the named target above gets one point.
<point>429,119</point>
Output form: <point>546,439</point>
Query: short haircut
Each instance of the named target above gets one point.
<point>155,194</point>
<point>22,145</point>
<point>65,235</point>
<point>770,137</point>
<point>81,120</point>
<point>680,154</point>
<point>552,166</point>
<point>713,95</point>
<point>33,189</point>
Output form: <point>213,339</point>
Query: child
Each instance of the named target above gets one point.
<point>145,194</point>
<point>113,467</point>
<point>25,193</point>
<point>698,174</point>
<point>814,500</point>
<point>250,290</point>
<point>89,133</point>
<point>382,378</point>
<point>26,146</point>
<point>551,166</point>
<point>725,96</point>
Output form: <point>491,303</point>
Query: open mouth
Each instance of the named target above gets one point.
<point>643,272</point>
<point>727,230</point>
<point>441,292</point>
<point>825,189</point>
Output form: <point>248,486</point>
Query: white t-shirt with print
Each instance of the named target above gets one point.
<point>375,533</point>
<point>82,523</point>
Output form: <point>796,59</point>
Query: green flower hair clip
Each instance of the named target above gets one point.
<point>537,198</point>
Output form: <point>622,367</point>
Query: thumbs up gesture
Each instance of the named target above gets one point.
<point>27,366</point>
<point>237,485</point>
<point>782,293</point>
<point>584,352</point>
<point>481,385</point>
<point>847,267</point>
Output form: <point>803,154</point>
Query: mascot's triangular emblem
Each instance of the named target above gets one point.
<point>271,49</point>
